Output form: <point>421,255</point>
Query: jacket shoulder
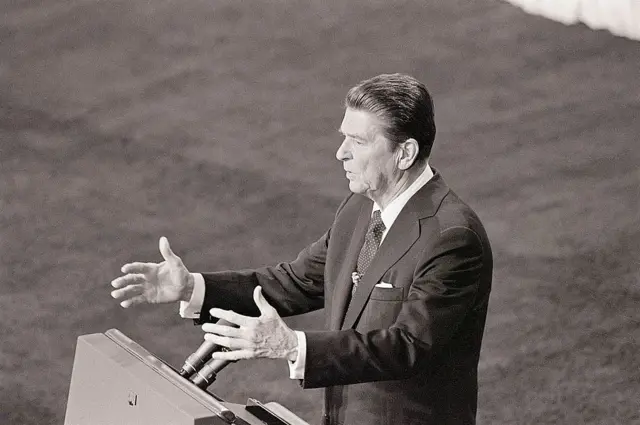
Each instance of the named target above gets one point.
<point>453,213</point>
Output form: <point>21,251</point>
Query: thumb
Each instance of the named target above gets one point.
<point>166,252</point>
<point>261,302</point>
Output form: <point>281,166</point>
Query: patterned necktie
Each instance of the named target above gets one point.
<point>369,248</point>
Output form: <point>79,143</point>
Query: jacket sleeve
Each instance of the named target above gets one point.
<point>291,288</point>
<point>444,288</point>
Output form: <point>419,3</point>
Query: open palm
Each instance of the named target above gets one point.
<point>154,283</point>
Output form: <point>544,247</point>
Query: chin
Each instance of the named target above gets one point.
<point>355,187</point>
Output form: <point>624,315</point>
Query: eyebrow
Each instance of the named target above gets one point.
<point>354,136</point>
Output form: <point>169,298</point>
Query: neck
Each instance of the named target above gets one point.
<point>399,185</point>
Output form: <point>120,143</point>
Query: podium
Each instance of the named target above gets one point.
<point>115,381</point>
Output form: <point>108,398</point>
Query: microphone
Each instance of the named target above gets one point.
<point>195,360</point>
<point>208,373</point>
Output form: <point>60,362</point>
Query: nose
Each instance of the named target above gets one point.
<point>343,153</point>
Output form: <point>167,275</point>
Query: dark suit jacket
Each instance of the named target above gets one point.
<point>401,355</point>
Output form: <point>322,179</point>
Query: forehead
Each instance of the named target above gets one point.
<point>360,123</point>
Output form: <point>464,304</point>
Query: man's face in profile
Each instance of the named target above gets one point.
<point>366,154</point>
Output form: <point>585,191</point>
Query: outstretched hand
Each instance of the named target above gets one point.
<point>266,336</point>
<point>154,283</point>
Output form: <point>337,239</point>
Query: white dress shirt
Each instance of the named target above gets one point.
<point>191,309</point>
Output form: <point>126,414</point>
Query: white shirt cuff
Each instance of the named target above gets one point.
<point>191,309</point>
<point>296,368</point>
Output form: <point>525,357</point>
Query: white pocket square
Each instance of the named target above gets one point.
<point>384,285</point>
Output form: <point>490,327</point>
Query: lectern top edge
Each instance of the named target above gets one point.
<point>206,399</point>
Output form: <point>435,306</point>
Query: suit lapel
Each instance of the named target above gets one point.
<point>342,291</point>
<point>403,234</point>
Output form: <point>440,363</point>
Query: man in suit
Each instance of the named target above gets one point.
<point>403,273</point>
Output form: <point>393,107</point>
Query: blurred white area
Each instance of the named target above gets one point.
<point>621,17</point>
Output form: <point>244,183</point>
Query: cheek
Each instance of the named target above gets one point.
<point>359,166</point>
<point>368,171</point>
<point>375,169</point>
<point>372,178</point>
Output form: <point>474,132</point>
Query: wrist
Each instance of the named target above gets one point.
<point>292,352</point>
<point>187,291</point>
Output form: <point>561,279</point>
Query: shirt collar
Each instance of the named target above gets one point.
<point>391,212</point>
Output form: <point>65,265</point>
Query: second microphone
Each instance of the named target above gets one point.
<point>198,358</point>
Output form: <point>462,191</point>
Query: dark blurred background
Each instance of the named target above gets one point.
<point>214,124</point>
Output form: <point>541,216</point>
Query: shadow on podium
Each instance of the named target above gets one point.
<point>115,381</point>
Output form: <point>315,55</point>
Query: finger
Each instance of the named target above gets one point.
<point>140,299</point>
<point>127,292</point>
<point>167,253</point>
<point>263,305</point>
<point>138,267</point>
<point>231,316</point>
<point>129,279</point>
<point>234,355</point>
<point>225,341</point>
<point>221,330</point>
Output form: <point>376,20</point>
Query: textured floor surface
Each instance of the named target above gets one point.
<point>214,123</point>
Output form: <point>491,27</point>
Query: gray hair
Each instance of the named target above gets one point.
<point>403,103</point>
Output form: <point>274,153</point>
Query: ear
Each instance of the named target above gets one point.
<point>407,153</point>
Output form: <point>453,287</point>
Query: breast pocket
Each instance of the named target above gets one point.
<point>386,294</point>
<point>381,309</point>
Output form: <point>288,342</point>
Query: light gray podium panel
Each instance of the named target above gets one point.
<point>117,382</point>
